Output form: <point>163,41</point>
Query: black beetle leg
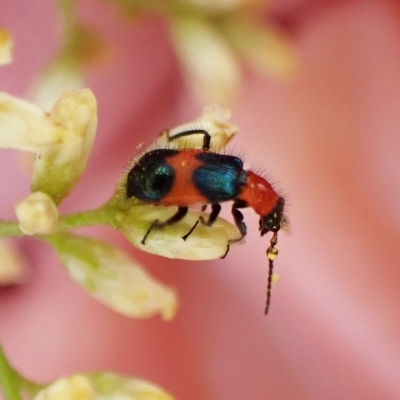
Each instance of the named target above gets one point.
<point>157,224</point>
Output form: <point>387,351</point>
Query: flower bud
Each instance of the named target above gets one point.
<point>57,168</point>
<point>102,386</point>
<point>37,213</point>
<point>12,264</point>
<point>5,47</point>
<point>214,120</point>
<point>25,126</point>
<point>266,47</point>
<point>75,387</point>
<point>204,243</point>
<point>211,66</point>
<point>113,278</point>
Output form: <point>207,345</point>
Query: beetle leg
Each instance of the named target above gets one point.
<point>238,219</point>
<point>206,136</point>
<point>157,224</point>
<point>215,210</point>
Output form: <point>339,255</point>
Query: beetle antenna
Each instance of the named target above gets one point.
<point>272,252</point>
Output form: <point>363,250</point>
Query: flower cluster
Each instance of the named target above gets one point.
<point>212,40</point>
<point>61,141</point>
<point>59,129</point>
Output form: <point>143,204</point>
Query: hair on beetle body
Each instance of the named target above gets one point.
<point>182,173</point>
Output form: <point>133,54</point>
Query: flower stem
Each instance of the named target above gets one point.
<point>98,216</point>
<point>8,379</point>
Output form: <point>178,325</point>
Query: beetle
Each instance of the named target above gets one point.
<point>188,176</point>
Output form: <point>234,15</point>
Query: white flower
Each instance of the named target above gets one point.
<point>76,387</point>
<point>37,213</point>
<point>205,243</point>
<point>211,67</point>
<point>57,168</point>
<point>5,47</point>
<point>56,79</point>
<point>25,126</point>
<point>12,264</point>
<point>266,47</point>
<point>102,386</point>
<point>215,120</point>
<point>113,278</point>
<point>224,5</point>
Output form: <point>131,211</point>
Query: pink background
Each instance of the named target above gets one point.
<point>329,136</point>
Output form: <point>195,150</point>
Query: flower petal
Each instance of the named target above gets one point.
<point>56,79</point>
<point>211,66</point>
<point>215,120</point>
<point>113,278</point>
<point>205,243</point>
<point>76,387</point>
<point>58,168</point>
<point>266,47</point>
<point>102,386</point>
<point>12,265</point>
<point>25,126</point>
<point>6,43</point>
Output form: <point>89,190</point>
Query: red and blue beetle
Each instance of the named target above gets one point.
<point>188,176</point>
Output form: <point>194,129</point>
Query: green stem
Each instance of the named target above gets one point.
<point>8,379</point>
<point>99,216</point>
<point>8,228</point>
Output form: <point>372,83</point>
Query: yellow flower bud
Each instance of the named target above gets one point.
<point>113,278</point>
<point>211,66</point>
<point>37,213</point>
<point>204,243</point>
<point>215,120</point>
<point>76,387</point>
<point>5,47</point>
<point>102,386</point>
<point>57,168</point>
<point>25,126</point>
<point>12,264</point>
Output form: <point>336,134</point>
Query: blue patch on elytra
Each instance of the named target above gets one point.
<point>219,178</point>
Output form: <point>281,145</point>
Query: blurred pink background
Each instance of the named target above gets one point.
<point>329,136</point>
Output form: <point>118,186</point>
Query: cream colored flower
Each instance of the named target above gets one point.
<point>56,79</point>
<point>215,120</point>
<point>224,5</point>
<point>37,213</point>
<point>113,278</point>
<point>116,387</point>
<point>25,126</point>
<point>205,243</point>
<point>12,264</point>
<point>76,387</point>
<point>102,386</point>
<point>211,67</point>
<point>6,43</point>
<point>57,168</point>
<point>266,47</point>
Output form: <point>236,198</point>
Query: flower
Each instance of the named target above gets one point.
<point>24,126</point>
<point>330,135</point>
<point>113,278</point>
<point>204,243</point>
<point>76,387</point>
<point>102,386</point>
<point>12,264</point>
<point>212,68</point>
<point>215,120</point>
<point>57,168</point>
<point>5,47</point>
<point>37,213</point>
